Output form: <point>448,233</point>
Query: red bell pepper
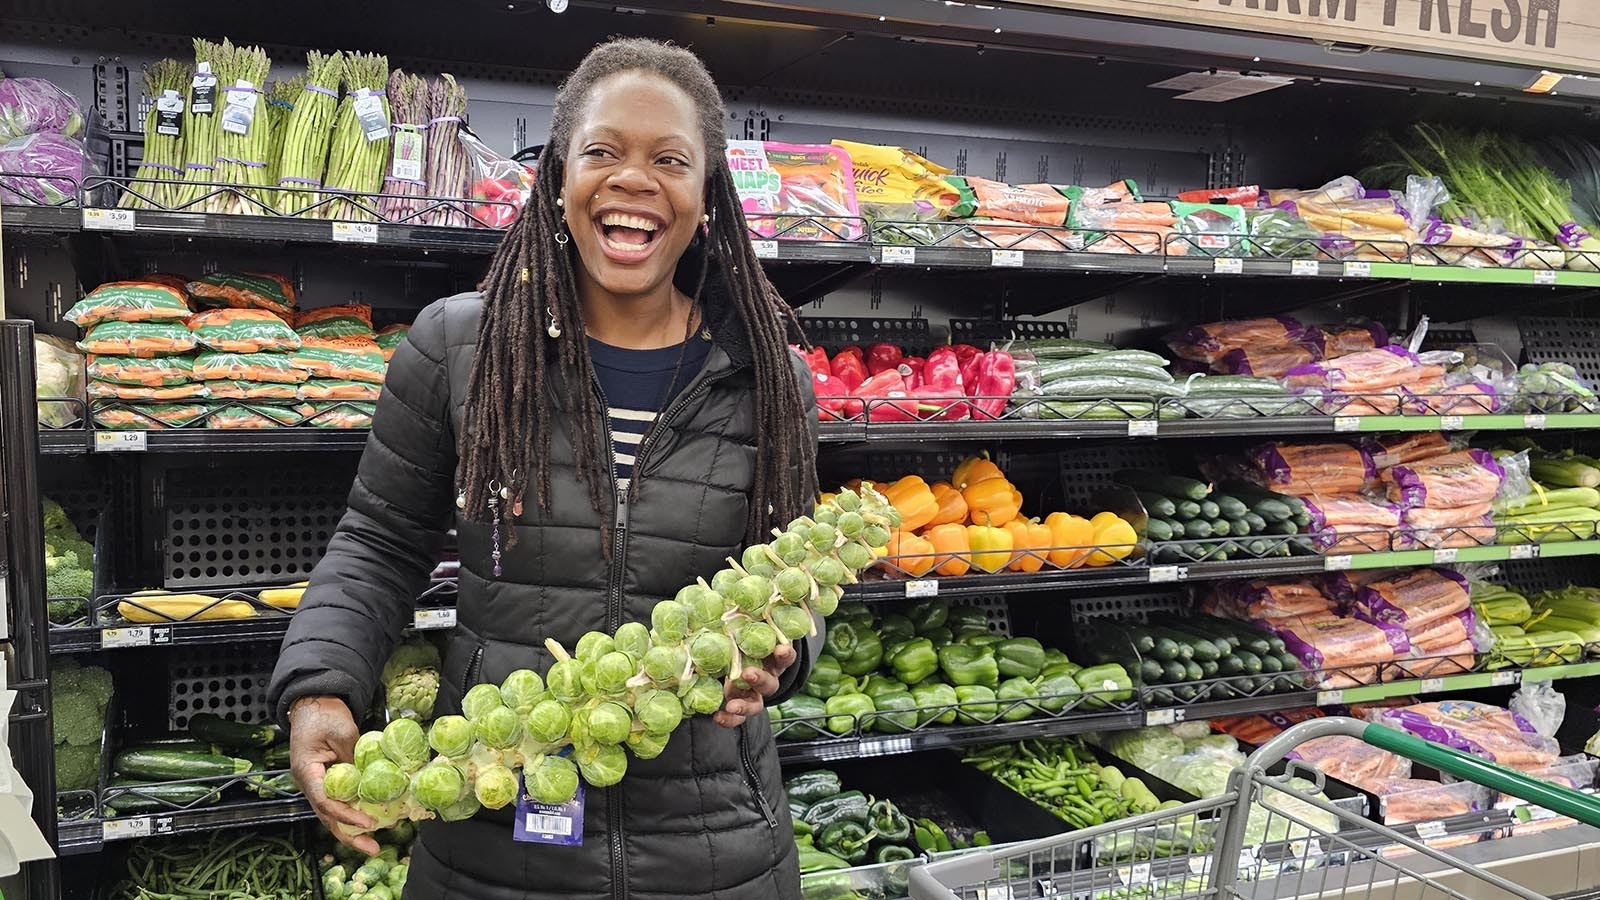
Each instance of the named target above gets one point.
<point>965,352</point>
<point>848,366</point>
<point>911,370</point>
<point>941,382</point>
<point>883,356</point>
<point>833,404</point>
<point>816,360</point>
<point>969,371</point>
<point>997,376</point>
<point>889,384</point>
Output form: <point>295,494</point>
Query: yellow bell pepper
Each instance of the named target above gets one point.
<point>1030,541</point>
<point>950,543</point>
<point>1114,537</point>
<point>914,499</point>
<point>909,553</point>
<point>974,469</point>
<point>992,501</point>
<point>1070,538</point>
<point>991,546</point>
<point>952,508</point>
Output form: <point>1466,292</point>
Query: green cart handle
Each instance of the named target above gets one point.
<point>1575,805</point>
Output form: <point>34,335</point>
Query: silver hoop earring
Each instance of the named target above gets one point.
<point>553,329</point>
<point>561,238</point>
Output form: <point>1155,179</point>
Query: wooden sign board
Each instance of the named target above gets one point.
<point>1561,35</point>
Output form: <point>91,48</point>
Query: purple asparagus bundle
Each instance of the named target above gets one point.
<point>405,182</point>
<point>447,160</point>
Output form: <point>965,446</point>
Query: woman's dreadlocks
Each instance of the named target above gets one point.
<point>506,439</point>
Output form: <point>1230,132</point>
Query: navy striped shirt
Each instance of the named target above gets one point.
<point>635,386</point>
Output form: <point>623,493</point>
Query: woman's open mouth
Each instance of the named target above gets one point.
<point>626,237</point>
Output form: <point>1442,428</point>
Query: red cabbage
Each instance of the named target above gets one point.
<point>36,106</point>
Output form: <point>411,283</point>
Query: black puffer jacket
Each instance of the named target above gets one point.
<point>706,818</point>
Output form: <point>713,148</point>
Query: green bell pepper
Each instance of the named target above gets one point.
<point>963,664</point>
<point>1060,668</point>
<point>849,612</point>
<point>809,787</point>
<point>1104,685</point>
<point>823,682</point>
<point>850,806</point>
<point>973,636</point>
<point>847,840</point>
<point>889,853</point>
<point>1015,696</point>
<point>1056,692</point>
<point>844,710</point>
<point>802,828</point>
<point>967,615</point>
<point>858,649</point>
<point>1054,655</point>
<point>829,886</point>
<point>889,822</point>
<point>928,613</point>
<point>978,704</point>
<point>935,703</point>
<point>895,628</point>
<point>874,685</point>
<point>802,718</point>
<point>1021,657</point>
<point>895,712</point>
<point>940,636</point>
<point>913,660</point>
<point>929,837</point>
<point>814,860</point>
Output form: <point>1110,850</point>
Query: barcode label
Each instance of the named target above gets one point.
<point>1165,574</point>
<point>1444,556</point>
<point>540,824</point>
<point>1521,551</point>
<point>1330,698</point>
<point>1346,424</point>
<point>1534,421</point>
<point>355,232</point>
<point>1452,423</point>
<point>1160,717</point>
<point>123,829</point>
<point>121,441</point>
<point>1228,265</point>
<point>765,249</point>
<point>427,619</point>
<point>1431,685</point>
<point>1358,270</point>
<point>1006,259</point>
<point>1143,428</point>
<point>108,219</point>
<point>903,256</point>
<point>1428,831</point>
<point>1544,276</point>
<point>1339,563</point>
<point>927,587</point>
<point>138,636</point>
<point>1305,267</point>
<point>1506,678</point>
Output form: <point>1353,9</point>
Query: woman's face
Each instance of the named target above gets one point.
<point>635,183</point>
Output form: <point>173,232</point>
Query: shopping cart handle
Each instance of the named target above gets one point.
<point>1583,807</point>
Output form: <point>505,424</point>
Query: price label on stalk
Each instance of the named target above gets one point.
<point>370,112</point>
<point>409,146</point>
<point>203,90</point>
<point>169,113</point>
<point>239,107</point>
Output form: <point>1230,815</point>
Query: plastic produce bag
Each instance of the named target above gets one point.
<point>500,185</point>
<point>1541,705</point>
<point>780,185</point>
<point>57,372</point>
<point>52,167</point>
<point>37,106</point>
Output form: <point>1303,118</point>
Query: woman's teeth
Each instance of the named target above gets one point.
<point>627,233</point>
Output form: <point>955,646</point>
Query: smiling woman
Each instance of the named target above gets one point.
<point>611,416</point>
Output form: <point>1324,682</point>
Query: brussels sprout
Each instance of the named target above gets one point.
<point>461,810</point>
<point>792,621</point>
<point>645,745</point>
<point>548,722</point>
<point>757,640</point>
<point>603,766</point>
<point>405,744</point>
<point>712,653</point>
<point>724,580</point>
<point>386,815</point>
<point>791,548</point>
<point>450,735</point>
<point>827,600</point>
<point>800,526</point>
<point>850,525</point>
<point>495,787</point>
<point>875,536</point>
<point>855,557</point>
<point>554,780</point>
<point>437,785</point>
<point>664,664</point>
<point>499,727</point>
<point>793,585</point>
<point>382,781</point>
<point>342,782</point>
<point>565,680</point>
<point>480,699</point>
<point>706,609</point>
<point>609,723</point>
<point>756,562</point>
<point>825,515</point>
<point>823,536</point>
<point>847,500</point>
<point>658,711</point>
<point>752,593</point>
<point>368,748</point>
<point>579,726</point>
<point>827,571</point>
<point>521,690</point>
<point>703,696</point>
<point>608,675</point>
<point>633,638</point>
<point>593,645</point>
<point>669,620</point>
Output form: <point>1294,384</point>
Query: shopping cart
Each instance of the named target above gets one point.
<point>1267,836</point>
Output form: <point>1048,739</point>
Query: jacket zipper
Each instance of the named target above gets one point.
<point>752,779</point>
<point>473,669</point>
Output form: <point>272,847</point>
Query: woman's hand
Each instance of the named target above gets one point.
<point>763,682</point>
<point>322,732</point>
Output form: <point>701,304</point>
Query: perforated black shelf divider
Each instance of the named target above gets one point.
<point>1087,470</point>
<point>1531,576</point>
<point>222,680</point>
<point>833,332</point>
<point>984,331</point>
<point>1448,338</point>
<point>1129,607</point>
<point>1552,339</point>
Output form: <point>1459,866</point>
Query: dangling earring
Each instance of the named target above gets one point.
<point>561,237</point>
<point>552,329</point>
<point>705,224</point>
<point>560,202</point>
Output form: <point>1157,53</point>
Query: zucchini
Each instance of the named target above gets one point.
<point>1150,671</point>
<point>1197,529</point>
<point>1158,530</point>
<point>1232,507</point>
<point>171,765</point>
<point>1291,663</point>
<point>1165,649</point>
<point>1255,524</point>
<point>1301,519</point>
<point>1188,509</point>
<point>276,757</point>
<point>1157,504</point>
<point>1102,386</point>
<point>1209,668</point>
<point>176,742</point>
<point>1174,672</point>
<point>159,797</point>
<point>1177,528</point>
<point>1273,510</point>
<point>1230,665</point>
<point>214,729</point>
<point>1235,386</point>
<point>1161,483</point>
<point>1088,366</point>
<point>1258,547</point>
<point>1220,527</point>
<point>1210,510</point>
<point>1285,527</point>
<point>1238,528</point>
<point>1142,641</point>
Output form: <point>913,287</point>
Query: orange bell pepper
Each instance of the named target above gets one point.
<point>991,547</point>
<point>1070,538</point>
<point>974,469</point>
<point>914,499</point>
<point>910,554</point>
<point>1030,539</point>
<point>992,502</point>
<point>952,508</point>
<point>950,543</point>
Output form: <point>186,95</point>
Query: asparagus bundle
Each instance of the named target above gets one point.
<point>202,117</point>
<point>280,106</point>
<point>627,691</point>
<point>244,138</point>
<point>360,138</point>
<point>307,132</point>
<point>162,166</point>
<point>404,181</point>
<point>447,160</point>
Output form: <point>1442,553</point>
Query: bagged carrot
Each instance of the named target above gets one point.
<point>163,371</point>
<point>137,339</point>
<point>130,301</point>
<point>243,331</point>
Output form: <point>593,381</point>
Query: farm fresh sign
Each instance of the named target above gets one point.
<point>1563,35</point>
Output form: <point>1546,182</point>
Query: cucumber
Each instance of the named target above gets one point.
<point>214,729</point>
<point>1230,665</point>
<point>1301,519</point>
<point>1102,386</point>
<point>1273,510</point>
<point>1157,504</point>
<point>1209,668</point>
<point>1220,527</point>
<point>1254,523</point>
<point>1258,547</point>
<point>1238,528</point>
<point>1210,510</point>
<point>1092,366</point>
<point>1291,663</point>
<point>1063,348</point>
<point>276,757</point>
<point>1174,672</point>
<point>1188,509</point>
<point>159,797</point>
<point>1165,649</point>
<point>1174,486</point>
<point>1271,664</point>
<point>1193,670</point>
<point>1150,671</point>
<point>171,765</point>
<point>1235,386</point>
<point>1252,663</point>
<point>1286,527</point>
<point>1197,529</point>
<point>1158,530</point>
<point>1232,507</point>
<point>1142,641</point>
<point>1177,528</point>
<point>1093,410</point>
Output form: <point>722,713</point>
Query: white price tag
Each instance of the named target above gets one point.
<point>1346,424</point>
<point>898,256</point>
<point>1160,717</point>
<point>765,249</point>
<point>428,619</point>
<point>1136,874</point>
<point>1445,556</point>
<point>1534,421</point>
<point>355,232</point>
<point>1143,427</point>
<point>1429,831</point>
<point>239,107</point>
<point>1544,276</point>
<point>1006,259</point>
<point>136,636</point>
<point>370,111</point>
<point>1506,678</point>
<point>1521,551</point>
<point>1199,865</point>
<point>1247,858</point>
<point>123,829</point>
<point>926,587</point>
<point>1452,423</point>
<point>1340,563</point>
<point>1358,270</point>
<point>1305,267</point>
<point>1227,265</point>
<point>885,747</point>
<point>1431,686</point>
<point>108,219</point>
<point>1166,574</point>
<point>1330,698</point>
<point>120,441</point>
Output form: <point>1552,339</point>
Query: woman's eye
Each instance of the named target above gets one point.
<point>597,151</point>
<point>673,161</point>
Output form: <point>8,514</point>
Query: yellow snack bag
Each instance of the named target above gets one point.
<point>895,184</point>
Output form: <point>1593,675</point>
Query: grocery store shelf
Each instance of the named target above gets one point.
<point>46,219</point>
<point>90,835</point>
<point>831,749</point>
<point>287,230</point>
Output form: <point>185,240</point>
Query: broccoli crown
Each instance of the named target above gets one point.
<point>55,518</point>
<point>77,720</point>
<point>77,768</point>
<point>69,581</point>
<point>75,546</point>
<point>62,612</point>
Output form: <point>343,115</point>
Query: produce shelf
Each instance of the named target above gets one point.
<point>832,749</point>
<point>90,835</point>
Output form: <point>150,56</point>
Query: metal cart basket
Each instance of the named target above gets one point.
<point>1267,836</point>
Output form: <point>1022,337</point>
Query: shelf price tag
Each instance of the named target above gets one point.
<point>95,219</point>
<point>1006,259</point>
<point>1136,874</point>
<point>926,587</point>
<point>1452,423</point>
<point>1506,678</point>
<point>1534,421</point>
<point>898,256</point>
<point>1227,265</point>
<point>1330,698</point>
<point>765,249</point>
<point>1163,717</point>
<point>1522,551</point>
<point>124,829</point>
<point>886,747</point>
<point>1544,276</point>
<point>1143,427</point>
<point>1431,686</point>
<point>1340,563</point>
<point>355,232</point>
<point>1445,556</point>
<point>1305,267</point>
<point>134,636</point>
<point>1346,424</point>
<point>428,619</point>
<point>1167,574</point>
<point>1429,831</point>
<point>1358,270</point>
<point>120,441</point>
